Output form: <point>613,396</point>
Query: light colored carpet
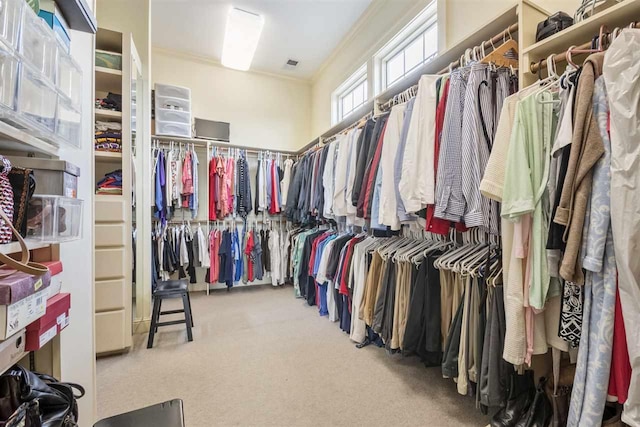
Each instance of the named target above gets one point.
<point>260,357</point>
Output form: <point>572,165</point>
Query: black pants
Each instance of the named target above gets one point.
<point>422,333</point>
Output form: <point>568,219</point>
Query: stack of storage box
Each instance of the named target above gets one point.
<point>40,90</point>
<point>173,111</point>
<point>32,312</point>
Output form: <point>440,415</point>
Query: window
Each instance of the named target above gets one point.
<point>414,45</point>
<point>351,95</point>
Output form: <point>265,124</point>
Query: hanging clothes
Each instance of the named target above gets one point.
<point>187,179</point>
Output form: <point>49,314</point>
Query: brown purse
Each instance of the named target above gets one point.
<point>559,390</point>
<point>24,264</point>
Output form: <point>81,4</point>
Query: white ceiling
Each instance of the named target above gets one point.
<point>304,30</point>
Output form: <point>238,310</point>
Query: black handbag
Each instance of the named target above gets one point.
<point>55,400</point>
<point>553,24</point>
<point>27,415</point>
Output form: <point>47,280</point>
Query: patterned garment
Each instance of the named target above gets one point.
<point>571,314</point>
<point>449,197</point>
<point>591,380</point>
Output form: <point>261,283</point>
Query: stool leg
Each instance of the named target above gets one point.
<point>187,315</point>
<point>154,321</point>
<point>190,311</point>
<point>159,311</point>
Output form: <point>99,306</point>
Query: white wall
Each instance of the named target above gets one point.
<point>382,20</point>
<point>264,111</point>
<point>77,354</point>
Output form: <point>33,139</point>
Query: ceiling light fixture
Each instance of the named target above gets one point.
<point>241,39</point>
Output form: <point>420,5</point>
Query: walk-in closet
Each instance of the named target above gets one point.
<point>293,213</point>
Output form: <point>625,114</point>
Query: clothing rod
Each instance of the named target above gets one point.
<point>509,31</point>
<point>215,143</point>
<point>557,58</point>
<point>240,220</point>
<point>562,57</point>
<point>165,144</point>
<point>494,42</point>
<point>491,42</point>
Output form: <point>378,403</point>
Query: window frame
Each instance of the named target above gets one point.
<point>359,78</point>
<point>425,21</point>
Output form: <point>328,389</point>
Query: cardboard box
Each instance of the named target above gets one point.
<point>12,350</point>
<point>55,267</point>
<point>17,316</point>
<point>20,285</point>
<point>51,324</point>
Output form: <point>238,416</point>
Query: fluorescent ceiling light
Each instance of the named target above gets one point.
<point>241,39</point>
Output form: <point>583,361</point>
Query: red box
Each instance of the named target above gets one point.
<point>48,326</point>
<point>55,267</point>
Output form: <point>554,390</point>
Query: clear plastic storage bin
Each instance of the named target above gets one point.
<point>10,20</point>
<point>8,80</point>
<point>170,103</point>
<point>173,129</point>
<point>173,91</point>
<point>68,122</point>
<point>163,115</point>
<point>37,101</point>
<point>38,45</point>
<point>69,78</point>
<point>54,219</point>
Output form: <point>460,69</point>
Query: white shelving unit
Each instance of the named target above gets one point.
<point>14,247</point>
<point>14,139</point>
<point>108,80</point>
<point>619,15</point>
<point>108,114</point>
<point>113,215</point>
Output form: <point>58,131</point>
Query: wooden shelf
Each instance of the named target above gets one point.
<point>78,15</point>
<point>108,156</point>
<point>108,114</point>
<point>14,247</point>
<point>14,139</point>
<point>620,15</point>
<point>97,197</point>
<point>109,40</point>
<point>108,80</point>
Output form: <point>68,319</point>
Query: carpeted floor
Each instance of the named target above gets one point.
<point>260,357</point>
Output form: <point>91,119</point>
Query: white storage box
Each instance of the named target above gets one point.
<point>54,219</point>
<point>38,45</point>
<point>68,122</point>
<point>167,102</point>
<point>173,129</point>
<point>8,80</point>
<point>18,315</point>
<point>175,116</point>
<point>10,21</point>
<point>37,100</point>
<point>69,78</point>
<point>173,91</point>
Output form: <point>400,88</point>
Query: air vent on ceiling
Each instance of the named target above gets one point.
<point>292,63</point>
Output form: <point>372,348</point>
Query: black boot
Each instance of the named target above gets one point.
<point>540,412</point>
<point>521,395</point>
